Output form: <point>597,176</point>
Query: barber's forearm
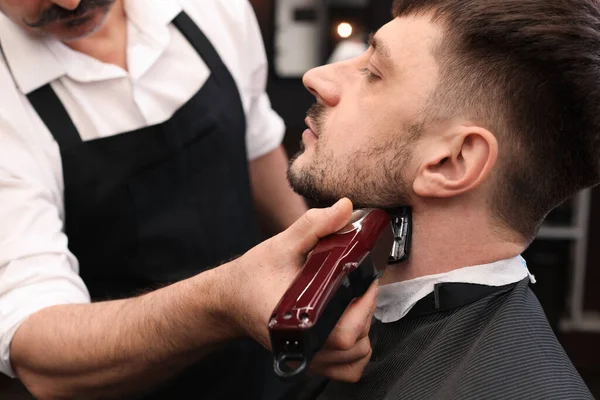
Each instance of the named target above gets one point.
<point>277,204</point>
<point>110,349</point>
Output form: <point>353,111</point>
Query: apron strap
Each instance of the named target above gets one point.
<point>203,46</point>
<point>51,110</point>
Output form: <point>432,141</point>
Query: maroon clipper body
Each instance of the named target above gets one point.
<point>339,269</point>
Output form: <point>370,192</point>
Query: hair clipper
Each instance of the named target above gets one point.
<point>339,269</point>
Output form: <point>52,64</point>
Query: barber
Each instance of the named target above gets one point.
<point>136,144</point>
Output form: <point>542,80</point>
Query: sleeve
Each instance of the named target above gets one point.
<point>36,268</point>
<point>266,128</point>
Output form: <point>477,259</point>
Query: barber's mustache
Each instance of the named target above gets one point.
<point>56,13</point>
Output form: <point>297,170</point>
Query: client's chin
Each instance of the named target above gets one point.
<point>305,184</point>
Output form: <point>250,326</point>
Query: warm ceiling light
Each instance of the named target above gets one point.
<point>344,30</point>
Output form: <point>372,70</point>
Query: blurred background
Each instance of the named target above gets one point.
<point>302,34</point>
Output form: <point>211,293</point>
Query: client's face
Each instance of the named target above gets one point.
<point>366,123</point>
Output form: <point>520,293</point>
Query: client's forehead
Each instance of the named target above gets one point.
<point>409,40</point>
<point>407,43</point>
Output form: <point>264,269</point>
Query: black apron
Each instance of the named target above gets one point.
<point>156,205</point>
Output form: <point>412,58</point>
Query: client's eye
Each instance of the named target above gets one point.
<point>371,77</point>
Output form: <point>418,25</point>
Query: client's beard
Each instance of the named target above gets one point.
<point>325,183</point>
<point>306,184</point>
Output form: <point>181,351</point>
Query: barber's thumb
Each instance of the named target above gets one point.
<point>317,223</point>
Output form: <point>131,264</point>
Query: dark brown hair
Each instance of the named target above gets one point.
<point>530,71</point>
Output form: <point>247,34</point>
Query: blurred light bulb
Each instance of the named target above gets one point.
<point>344,30</point>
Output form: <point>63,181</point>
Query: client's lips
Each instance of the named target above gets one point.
<point>309,135</point>
<point>309,124</point>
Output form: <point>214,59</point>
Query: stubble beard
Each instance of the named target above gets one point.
<point>371,178</point>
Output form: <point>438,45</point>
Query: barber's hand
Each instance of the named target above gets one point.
<point>260,278</point>
<point>348,349</point>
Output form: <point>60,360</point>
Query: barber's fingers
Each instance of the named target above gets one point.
<point>316,224</point>
<point>355,323</point>
<point>346,371</point>
<point>360,350</point>
<point>350,372</point>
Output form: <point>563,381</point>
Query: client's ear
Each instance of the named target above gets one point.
<point>457,163</point>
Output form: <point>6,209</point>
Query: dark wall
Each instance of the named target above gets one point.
<point>380,13</point>
<point>592,294</point>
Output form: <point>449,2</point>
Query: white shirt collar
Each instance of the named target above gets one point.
<point>36,61</point>
<point>395,300</point>
<point>29,59</point>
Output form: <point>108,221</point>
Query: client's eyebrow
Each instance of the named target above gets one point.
<point>383,52</point>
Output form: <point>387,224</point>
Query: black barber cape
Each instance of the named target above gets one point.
<point>163,203</point>
<point>465,341</point>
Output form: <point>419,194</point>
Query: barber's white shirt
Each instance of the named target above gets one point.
<point>36,268</point>
<point>395,300</point>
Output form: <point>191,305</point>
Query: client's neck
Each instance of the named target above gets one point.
<point>445,239</point>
